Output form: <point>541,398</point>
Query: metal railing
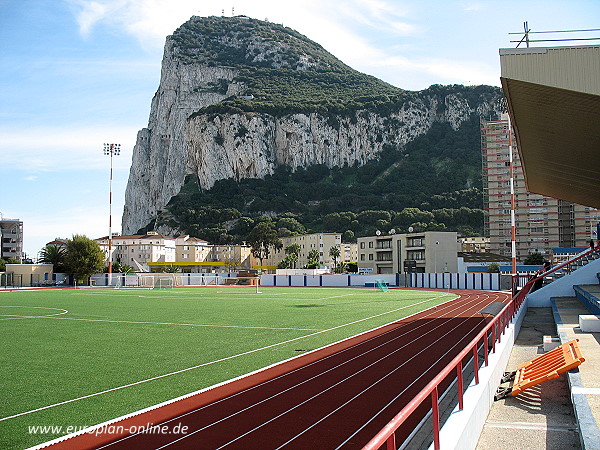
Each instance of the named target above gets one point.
<point>581,36</point>
<point>495,328</point>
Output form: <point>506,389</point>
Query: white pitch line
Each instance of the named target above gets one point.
<point>210,362</point>
<point>63,311</point>
<point>171,323</point>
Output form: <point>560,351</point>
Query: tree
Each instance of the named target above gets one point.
<point>293,252</point>
<point>2,265</point>
<point>262,240</point>
<point>54,254</point>
<point>334,252</point>
<point>119,267</point>
<point>313,259</point>
<point>534,259</point>
<point>83,258</point>
<point>352,267</point>
<point>341,267</point>
<point>493,268</point>
<point>348,236</point>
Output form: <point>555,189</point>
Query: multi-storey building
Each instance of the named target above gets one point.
<point>191,250</point>
<point>428,252</point>
<point>232,256</point>
<point>542,223</point>
<point>139,250</point>
<point>322,242</point>
<point>153,251</point>
<point>474,244</point>
<point>348,253</point>
<point>11,239</point>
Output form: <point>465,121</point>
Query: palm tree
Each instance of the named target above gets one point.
<point>54,254</point>
<point>334,252</point>
<point>293,252</point>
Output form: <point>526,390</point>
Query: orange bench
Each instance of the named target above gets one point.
<point>543,368</point>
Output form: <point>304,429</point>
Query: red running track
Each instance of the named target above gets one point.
<point>339,401</point>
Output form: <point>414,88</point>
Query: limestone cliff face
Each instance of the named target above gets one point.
<point>161,154</point>
<point>179,141</point>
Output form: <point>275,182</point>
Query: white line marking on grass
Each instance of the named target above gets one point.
<point>158,377</point>
<point>334,296</point>
<point>172,323</point>
<point>64,311</point>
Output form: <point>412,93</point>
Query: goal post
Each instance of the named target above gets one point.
<point>160,280</point>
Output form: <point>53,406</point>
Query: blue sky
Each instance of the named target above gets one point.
<point>75,74</point>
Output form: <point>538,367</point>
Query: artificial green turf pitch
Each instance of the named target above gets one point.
<point>130,335</point>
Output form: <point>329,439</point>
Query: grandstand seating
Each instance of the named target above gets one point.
<point>589,295</point>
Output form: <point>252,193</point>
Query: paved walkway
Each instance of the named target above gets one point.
<point>541,417</point>
<point>585,383</point>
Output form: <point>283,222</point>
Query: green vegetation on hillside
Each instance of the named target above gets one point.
<point>288,73</point>
<point>433,184</point>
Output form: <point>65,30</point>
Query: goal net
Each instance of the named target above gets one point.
<point>160,281</point>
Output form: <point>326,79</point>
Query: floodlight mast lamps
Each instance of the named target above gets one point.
<point>110,150</point>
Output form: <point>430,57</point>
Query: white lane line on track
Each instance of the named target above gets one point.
<point>208,363</point>
<point>391,401</point>
<point>354,397</point>
<point>279,393</point>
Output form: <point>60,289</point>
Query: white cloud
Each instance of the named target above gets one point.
<point>410,73</point>
<point>89,220</point>
<point>60,149</point>
<point>90,13</point>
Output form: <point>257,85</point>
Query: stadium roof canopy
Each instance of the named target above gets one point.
<point>553,98</point>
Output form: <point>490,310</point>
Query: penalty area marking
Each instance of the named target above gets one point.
<point>158,377</point>
<point>22,316</point>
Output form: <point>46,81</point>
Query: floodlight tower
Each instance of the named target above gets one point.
<point>110,150</point>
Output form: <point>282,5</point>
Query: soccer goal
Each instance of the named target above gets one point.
<point>160,281</point>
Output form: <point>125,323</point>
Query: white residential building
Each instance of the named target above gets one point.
<point>139,250</point>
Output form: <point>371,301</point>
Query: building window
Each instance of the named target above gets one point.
<point>370,257</point>
<point>362,256</point>
<point>362,245</point>
<point>416,255</point>
<point>371,244</point>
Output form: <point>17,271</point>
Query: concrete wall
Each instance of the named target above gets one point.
<point>32,274</point>
<point>563,287</point>
<point>463,428</point>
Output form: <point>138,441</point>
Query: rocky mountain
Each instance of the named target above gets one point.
<point>243,99</point>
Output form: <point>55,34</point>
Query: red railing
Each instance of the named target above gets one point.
<point>496,328</point>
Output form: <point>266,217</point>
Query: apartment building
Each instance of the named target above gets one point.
<point>542,223</point>
<point>11,239</point>
<point>474,244</point>
<point>191,250</point>
<point>139,250</point>
<point>427,252</point>
<point>232,256</point>
<point>322,242</point>
<point>153,251</point>
<point>348,253</point>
